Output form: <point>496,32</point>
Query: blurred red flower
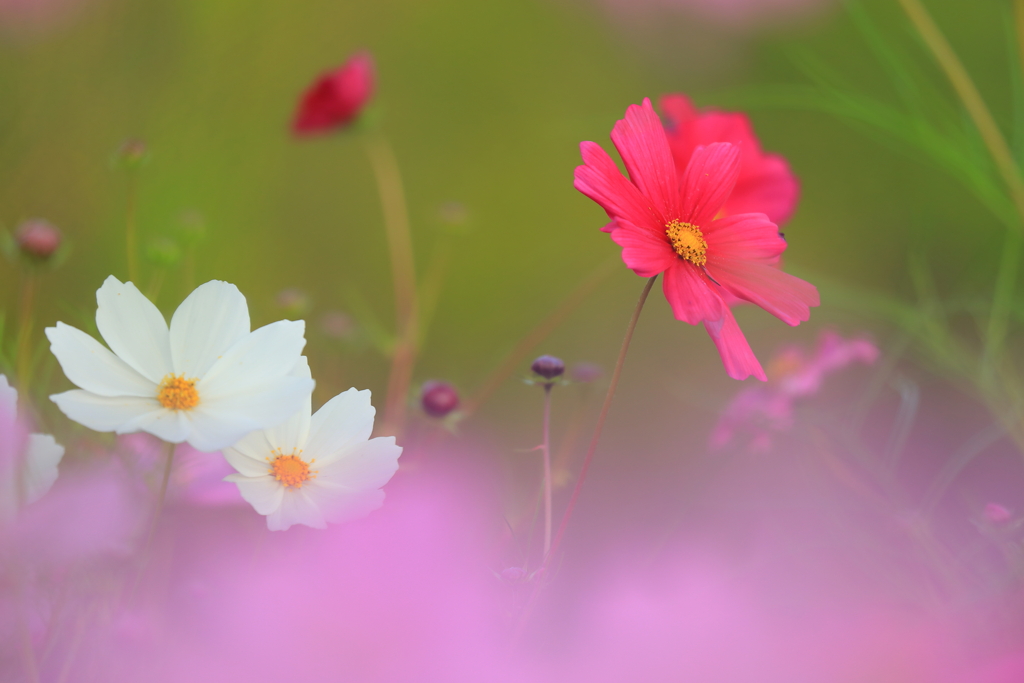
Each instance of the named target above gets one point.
<point>764,185</point>
<point>675,226</point>
<point>336,98</point>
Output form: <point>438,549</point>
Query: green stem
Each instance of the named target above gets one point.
<point>131,237</point>
<point>970,97</point>
<point>403,274</point>
<point>23,347</point>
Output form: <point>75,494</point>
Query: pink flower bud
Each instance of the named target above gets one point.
<point>336,98</point>
<point>439,398</point>
<point>37,239</point>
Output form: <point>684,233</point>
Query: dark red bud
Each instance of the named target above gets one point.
<point>439,398</point>
<point>337,97</point>
<point>37,239</point>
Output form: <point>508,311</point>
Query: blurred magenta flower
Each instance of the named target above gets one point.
<point>206,379</point>
<point>37,239</point>
<point>438,398</point>
<point>318,468</point>
<point>337,97</point>
<point>28,462</point>
<point>672,225</point>
<point>762,411</point>
<point>764,184</point>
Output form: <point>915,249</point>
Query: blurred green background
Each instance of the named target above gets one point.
<point>484,104</point>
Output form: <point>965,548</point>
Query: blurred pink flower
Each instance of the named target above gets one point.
<point>759,412</point>
<point>336,98</point>
<point>672,224</point>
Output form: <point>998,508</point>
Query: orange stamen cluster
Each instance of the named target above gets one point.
<point>291,470</point>
<point>178,393</point>
<point>688,241</point>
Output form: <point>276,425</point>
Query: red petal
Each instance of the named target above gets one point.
<point>599,178</point>
<point>690,295</point>
<point>748,236</point>
<point>737,356</point>
<point>644,252</point>
<point>709,179</point>
<point>766,185</point>
<point>640,140</point>
<point>786,297</point>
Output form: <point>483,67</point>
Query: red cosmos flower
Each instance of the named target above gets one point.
<point>337,97</point>
<point>765,184</point>
<point>671,225</point>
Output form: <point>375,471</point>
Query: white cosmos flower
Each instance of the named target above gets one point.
<point>315,469</point>
<point>28,462</point>
<point>206,380</point>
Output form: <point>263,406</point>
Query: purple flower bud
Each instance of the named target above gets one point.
<point>37,239</point>
<point>548,367</point>
<point>438,398</point>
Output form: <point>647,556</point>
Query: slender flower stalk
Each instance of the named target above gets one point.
<point>24,344</point>
<point>601,418</point>
<point>403,275</point>
<point>542,572</point>
<point>547,470</point>
<point>161,495</point>
<point>131,236</point>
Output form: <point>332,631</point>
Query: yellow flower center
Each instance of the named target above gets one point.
<point>291,470</point>
<point>688,241</point>
<point>178,393</point>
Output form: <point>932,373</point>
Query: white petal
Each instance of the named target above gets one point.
<point>262,407</point>
<point>293,432</point>
<point>91,366</point>
<point>368,465</point>
<point>8,400</point>
<point>12,432</point>
<point>208,322</point>
<point>263,493</point>
<point>342,422</point>
<point>268,353</point>
<point>296,508</point>
<point>340,505</point>
<point>42,455</point>
<point>103,413</point>
<point>133,328</point>
<point>246,461</point>
<point>171,426</point>
<point>11,440</point>
<point>212,429</point>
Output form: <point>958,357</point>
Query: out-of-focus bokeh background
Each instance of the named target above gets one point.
<point>485,104</point>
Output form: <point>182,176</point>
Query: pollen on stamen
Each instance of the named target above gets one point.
<point>178,393</point>
<point>291,470</point>
<point>688,241</point>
